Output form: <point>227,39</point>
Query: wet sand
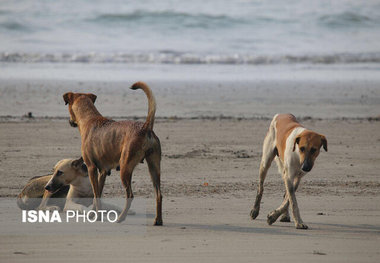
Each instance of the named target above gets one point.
<point>322,98</point>
<point>339,199</point>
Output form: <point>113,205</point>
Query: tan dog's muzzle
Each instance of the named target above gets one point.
<point>307,165</point>
<point>52,188</point>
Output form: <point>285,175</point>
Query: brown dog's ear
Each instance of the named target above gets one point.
<point>324,142</point>
<point>296,141</point>
<point>77,163</point>
<point>68,97</point>
<point>92,97</point>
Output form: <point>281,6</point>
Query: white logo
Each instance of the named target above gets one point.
<point>91,216</point>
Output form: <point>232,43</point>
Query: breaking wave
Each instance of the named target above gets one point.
<point>185,58</point>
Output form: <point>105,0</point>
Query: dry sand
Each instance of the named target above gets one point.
<point>339,199</point>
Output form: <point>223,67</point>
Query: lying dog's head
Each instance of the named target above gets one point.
<point>71,98</point>
<point>309,144</point>
<point>65,171</point>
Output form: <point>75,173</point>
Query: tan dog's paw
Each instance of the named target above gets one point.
<point>301,226</point>
<point>254,213</point>
<point>285,218</point>
<point>52,208</point>
<point>271,218</point>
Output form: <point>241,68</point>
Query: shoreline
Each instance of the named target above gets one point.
<point>331,99</point>
<point>26,118</point>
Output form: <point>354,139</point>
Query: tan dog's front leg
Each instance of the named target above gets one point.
<point>293,203</point>
<point>45,200</point>
<point>92,174</point>
<point>70,205</point>
<point>285,217</point>
<point>284,207</point>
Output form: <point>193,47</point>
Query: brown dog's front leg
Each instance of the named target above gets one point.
<point>92,174</point>
<point>101,181</point>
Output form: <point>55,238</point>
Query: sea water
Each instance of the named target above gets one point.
<point>250,32</point>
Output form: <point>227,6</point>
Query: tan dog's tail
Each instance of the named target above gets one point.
<point>148,125</point>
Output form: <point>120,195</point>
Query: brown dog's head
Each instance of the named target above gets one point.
<point>65,171</point>
<point>70,98</point>
<point>309,144</point>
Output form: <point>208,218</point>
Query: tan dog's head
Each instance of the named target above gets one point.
<point>309,144</point>
<point>65,171</point>
<point>70,98</point>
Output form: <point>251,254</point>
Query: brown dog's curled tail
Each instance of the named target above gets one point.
<point>148,125</point>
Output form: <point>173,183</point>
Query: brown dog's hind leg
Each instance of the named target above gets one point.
<point>269,153</point>
<point>154,161</point>
<point>128,162</point>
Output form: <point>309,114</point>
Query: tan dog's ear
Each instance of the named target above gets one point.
<point>68,97</point>
<point>324,142</point>
<point>77,163</point>
<point>92,97</point>
<point>296,141</point>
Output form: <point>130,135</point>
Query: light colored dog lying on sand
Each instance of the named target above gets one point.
<point>69,180</point>
<point>31,195</point>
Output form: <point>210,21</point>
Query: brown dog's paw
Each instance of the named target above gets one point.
<point>157,222</point>
<point>121,218</point>
<point>285,218</point>
<point>254,213</point>
<point>301,226</point>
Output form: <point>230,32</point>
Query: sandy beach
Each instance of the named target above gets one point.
<point>209,179</point>
<point>219,70</point>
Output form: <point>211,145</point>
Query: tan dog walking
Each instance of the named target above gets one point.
<point>295,149</point>
<point>107,144</point>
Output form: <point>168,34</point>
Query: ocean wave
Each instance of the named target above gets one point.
<point>168,17</point>
<point>168,57</point>
<point>346,19</point>
<point>14,26</point>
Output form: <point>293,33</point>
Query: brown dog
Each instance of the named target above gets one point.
<point>296,149</point>
<point>107,144</point>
